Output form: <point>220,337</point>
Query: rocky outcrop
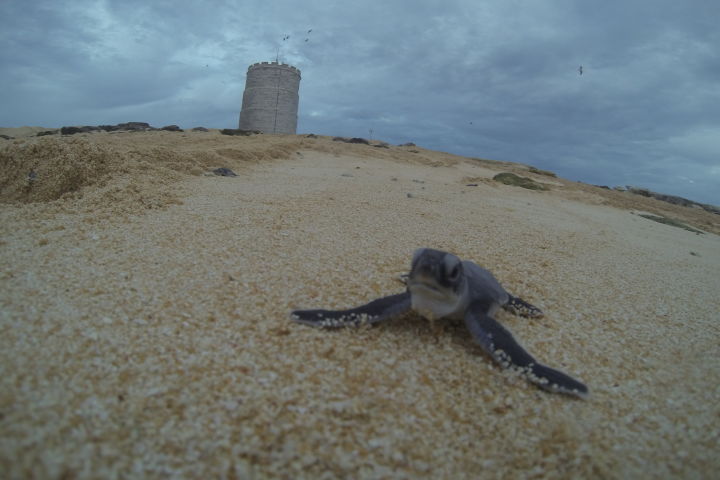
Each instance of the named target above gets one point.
<point>132,126</point>
<point>120,127</point>
<point>675,200</point>
<point>224,172</point>
<point>239,131</point>
<point>351,140</point>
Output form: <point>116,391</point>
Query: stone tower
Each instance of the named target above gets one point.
<point>270,100</point>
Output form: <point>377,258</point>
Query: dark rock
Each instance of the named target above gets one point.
<point>661,196</point>
<point>673,199</point>
<point>409,144</point>
<point>172,128</point>
<point>710,208</point>
<point>74,130</point>
<point>224,172</point>
<point>200,129</point>
<point>70,130</point>
<point>128,126</point>
<point>351,140</point>
<point>134,126</point>
<point>239,131</point>
<point>46,132</point>
<point>639,191</point>
<point>312,135</point>
<point>6,137</point>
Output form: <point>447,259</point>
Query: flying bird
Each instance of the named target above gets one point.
<point>310,30</point>
<point>580,70</point>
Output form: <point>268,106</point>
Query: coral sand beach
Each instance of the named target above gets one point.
<point>145,331</point>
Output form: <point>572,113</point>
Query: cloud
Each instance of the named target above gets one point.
<point>487,79</point>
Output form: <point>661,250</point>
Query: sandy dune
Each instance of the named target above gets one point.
<point>144,316</point>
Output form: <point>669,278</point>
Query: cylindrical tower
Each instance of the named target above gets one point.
<point>270,101</point>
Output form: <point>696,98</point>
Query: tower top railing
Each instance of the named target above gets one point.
<point>275,64</point>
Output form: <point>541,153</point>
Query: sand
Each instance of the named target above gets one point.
<point>145,334</point>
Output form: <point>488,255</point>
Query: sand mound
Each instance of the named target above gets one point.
<point>60,167</point>
<point>144,324</point>
<point>119,173</point>
<point>20,132</point>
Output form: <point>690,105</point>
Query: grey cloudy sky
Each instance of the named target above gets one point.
<point>493,79</point>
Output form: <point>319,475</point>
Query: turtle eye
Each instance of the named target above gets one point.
<point>455,272</point>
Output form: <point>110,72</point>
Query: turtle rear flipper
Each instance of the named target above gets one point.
<point>497,341</point>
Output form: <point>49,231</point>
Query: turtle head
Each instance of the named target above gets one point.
<point>436,281</point>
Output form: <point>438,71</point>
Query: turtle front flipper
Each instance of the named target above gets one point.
<point>376,311</point>
<point>505,350</point>
<point>518,306</point>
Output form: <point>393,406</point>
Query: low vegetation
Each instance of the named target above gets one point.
<point>542,172</point>
<point>516,180</point>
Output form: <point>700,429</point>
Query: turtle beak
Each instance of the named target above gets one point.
<point>423,267</point>
<point>425,273</point>
<point>425,282</point>
<point>435,271</point>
